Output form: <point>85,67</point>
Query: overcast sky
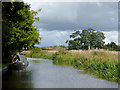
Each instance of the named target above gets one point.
<point>59,19</point>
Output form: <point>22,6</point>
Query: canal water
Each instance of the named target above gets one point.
<point>42,73</point>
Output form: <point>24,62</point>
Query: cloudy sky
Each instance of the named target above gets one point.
<point>59,19</point>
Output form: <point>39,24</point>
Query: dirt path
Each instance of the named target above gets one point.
<point>25,52</point>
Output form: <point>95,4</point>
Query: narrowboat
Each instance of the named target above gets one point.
<point>19,62</point>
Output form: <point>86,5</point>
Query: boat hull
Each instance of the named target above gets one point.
<point>19,66</point>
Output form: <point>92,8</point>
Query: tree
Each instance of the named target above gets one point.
<point>62,46</point>
<point>85,39</point>
<point>99,37</point>
<point>112,46</point>
<point>18,30</point>
<point>85,36</point>
<point>76,43</point>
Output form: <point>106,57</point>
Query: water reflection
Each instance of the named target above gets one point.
<point>43,73</point>
<point>17,79</point>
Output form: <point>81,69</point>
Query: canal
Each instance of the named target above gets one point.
<point>42,73</point>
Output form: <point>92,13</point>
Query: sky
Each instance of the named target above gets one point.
<point>59,19</point>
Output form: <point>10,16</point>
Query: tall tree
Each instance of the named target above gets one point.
<point>76,43</point>
<point>17,27</point>
<point>99,43</point>
<point>92,37</point>
<point>85,36</point>
<point>85,39</point>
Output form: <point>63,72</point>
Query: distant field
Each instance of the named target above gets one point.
<point>97,54</point>
<point>79,51</point>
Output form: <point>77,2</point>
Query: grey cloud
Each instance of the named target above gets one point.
<point>54,37</point>
<point>70,16</point>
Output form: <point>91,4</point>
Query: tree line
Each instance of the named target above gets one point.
<point>89,39</point>
<point>17,27</point>
<point>112,46</point>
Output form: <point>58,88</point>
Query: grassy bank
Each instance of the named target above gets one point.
<point>103,64</point>
<point>38,53</point>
